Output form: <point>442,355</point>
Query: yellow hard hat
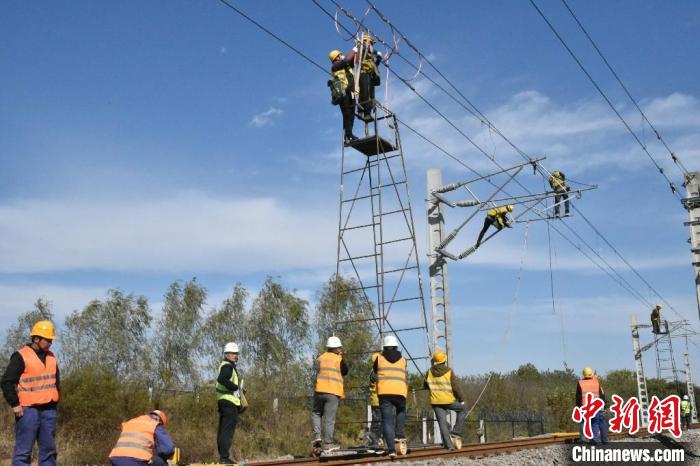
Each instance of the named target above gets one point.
<point>587,372</point>
<point>44,329</point>
<point>658,306</point>
<point>161,415</point>
<point>509,208</point>
<point>439,357</point>
<point>367,37</point>
<point>334,54</point>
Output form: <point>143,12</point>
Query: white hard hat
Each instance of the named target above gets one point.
<point>390,340</point>
<point>231,347</point>
<point>333,342</point>
<point>685,397</point>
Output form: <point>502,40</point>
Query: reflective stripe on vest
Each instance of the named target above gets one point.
<point>591,385</point>
<point>556,181</point>
<point>37,384</point>
<point>344,76</point>
<point>685,407</point>
<point>497,211</point>
<point>223,393</point>
<point>329,378</point>
<point>137,439</point>
<point>441,388</point>
<point>391,377</point>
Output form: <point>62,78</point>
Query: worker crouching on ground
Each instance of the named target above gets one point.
<point>599,424</point>
<point>143,441</point>
<point>341,91</point>
<point>557,181</point>
<point>30,387</point>
<point>445,395</point>
<point>497,216</point>
<point>228,401</point>
<point>390,374</point>
<point>331,368</point>
<point>656,319</point>
<point>375,429</point>
<point>686,411</point>
<point>368,58</point>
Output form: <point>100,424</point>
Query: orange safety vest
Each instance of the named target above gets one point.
<point>137,438</point>
<point>391,377</point>
<point>37,384</point>
<point>591,385</point>
<point>329,378</point>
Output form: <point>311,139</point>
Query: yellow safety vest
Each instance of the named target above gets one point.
<point>441,388</point>
<point>391,377</point>
<point>499,213</point>
<point>223,393</point>
<point>556,180</point>
<point>685,407</point>
<point>344,76</point>
<point>329,378</point>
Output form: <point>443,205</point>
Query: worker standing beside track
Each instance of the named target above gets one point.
<point>228,400</point>
<point>590,384</point>
<point>390,373</point>
<point>328,391</point>
<point>30,387</point>
<point>143,441</point>
<point>445,395</point>
<point>375,428</point>
<point>686,411</point>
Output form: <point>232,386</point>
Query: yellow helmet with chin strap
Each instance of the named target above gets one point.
<point>44,329</point>
<point>587,372</point>
<point>334,54</point>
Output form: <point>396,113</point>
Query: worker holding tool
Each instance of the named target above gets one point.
<point>368,60</point>
<point>446,395</point>
<point>331,368</point>
<point>497,216</point>
<point>557,181</point>
<point>143,440</point>
<point>228,400</point>
<point>390,373</point>
<point>341,91</point>
<point>30,387</point>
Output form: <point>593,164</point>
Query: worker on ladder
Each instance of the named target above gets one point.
<point>331,368</point>
<point>590,384</point>
<point>367,59</point>
<point>228,401</point>
<point>445,395</point>
<point>497,216</point>
<point>143,441</point>
<point>374,435</point>
<point>656,319</point>
<point>341,86</point>
<point>557,181</point>
<point>390,373</point>
<point>686,412</point>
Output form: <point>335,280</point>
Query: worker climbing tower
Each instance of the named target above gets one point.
<point>377,237</point>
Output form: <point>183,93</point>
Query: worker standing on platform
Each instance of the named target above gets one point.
<point>445,395</point>
<point>390,373</point>
<point>375,428</point>
<point>143,441</point>
<point>341,91</point>
<point>228,401</point>
<point>656,319</point>
<point>368,59</point>
<point>30,387</point>
<point>331,368</point>
<point>590,384</point>
<point>557,181</point>
<point>497,216</point>
<point>686,411</point>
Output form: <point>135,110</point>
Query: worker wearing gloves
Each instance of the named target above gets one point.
<point>330,370</point>
<point>497,216</point>
<point>30,387</point>
<point>557,181</point>
<point>686,411</point>
<point>590,384</point>
<point>228,400</point>
<point>375,428</point>
<point>446,395</point>
<point>143,440</point>
<point>390,373</point>
<point>368,60</point>
<point>341,69</point>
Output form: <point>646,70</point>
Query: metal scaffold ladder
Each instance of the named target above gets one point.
<point>376,237</point>
<point>639,371</point>
<point>689,387</point>
<point>665,361</point>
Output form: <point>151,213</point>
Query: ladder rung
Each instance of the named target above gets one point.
<point>401,300</point>
<point>397,240</point>
<point>408,329</point>
<point>368,319</point>
<point>398,270</point>
<point>359,198</point>
<point>396,183</point>
<point>358,257</point>
<point>359,288</point>
<point>355,227</point>
<point>381,214</point>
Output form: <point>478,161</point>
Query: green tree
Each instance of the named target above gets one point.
<point>222,325</point>
<point>177,338</point>
<point>111,334</point>
<point>18,334</point>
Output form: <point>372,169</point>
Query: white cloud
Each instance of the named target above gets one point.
<point>266,118</point>
<point>64,299</point>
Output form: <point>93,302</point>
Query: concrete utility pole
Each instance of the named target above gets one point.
<point>690,389</point>
<point>692,204</point>
<point>441,335</point>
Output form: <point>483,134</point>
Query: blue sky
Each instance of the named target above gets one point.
<point>147,142</point>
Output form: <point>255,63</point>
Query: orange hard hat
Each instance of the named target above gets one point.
<point>161,415</point>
